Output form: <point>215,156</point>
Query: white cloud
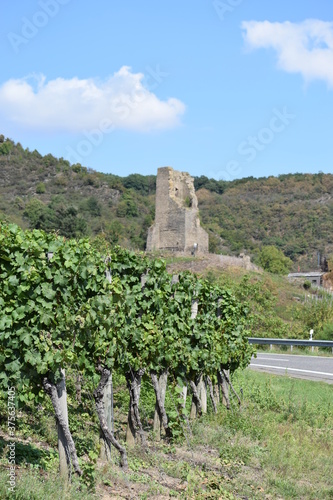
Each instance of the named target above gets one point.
<point>126,99</point>
<point>305,47</point>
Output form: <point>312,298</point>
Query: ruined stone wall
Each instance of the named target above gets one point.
<point>177,224</point>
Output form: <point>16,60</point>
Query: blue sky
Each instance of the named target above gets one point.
<point>226,89</point>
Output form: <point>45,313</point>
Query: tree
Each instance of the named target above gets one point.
<point>274,261</point>
<point>127,207</point>
<point>36,211</point>
<point>93,207</point>
<point>6,147</point>
<point>141,183</point>
<point>55,217</point>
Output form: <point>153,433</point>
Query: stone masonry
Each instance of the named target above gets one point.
<point>177,225</point>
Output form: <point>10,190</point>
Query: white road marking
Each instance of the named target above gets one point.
<point>297,355</point>
<point>274,359</point>
<point>293,369</point>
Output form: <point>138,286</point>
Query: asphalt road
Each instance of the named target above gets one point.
<point>307,367</point>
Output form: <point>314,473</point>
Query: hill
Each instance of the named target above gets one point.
<point>292,212</point>
<point>48,193</point>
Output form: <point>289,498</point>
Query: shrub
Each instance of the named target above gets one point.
<point>307,285</point>
<point>274,261</point>
<point>40,188</point>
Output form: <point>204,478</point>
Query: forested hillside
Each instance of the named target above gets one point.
<point>48,193</point>
<point>291,212</point>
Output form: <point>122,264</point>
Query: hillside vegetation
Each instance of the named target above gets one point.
<point>281,309</point>
<point>292,212</point>
<point>47,193</point>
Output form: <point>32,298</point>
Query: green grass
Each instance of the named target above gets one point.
<point>278,446</point>
<point>34,485</point>
<point>285,431</point>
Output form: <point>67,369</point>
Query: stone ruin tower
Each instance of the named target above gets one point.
<point>177,225</point>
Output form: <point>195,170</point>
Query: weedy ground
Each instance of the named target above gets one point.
<point>279,445</point>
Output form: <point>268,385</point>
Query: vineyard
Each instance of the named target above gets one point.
<point>98,311</point>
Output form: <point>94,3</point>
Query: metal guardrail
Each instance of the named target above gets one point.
<point>291,342</point>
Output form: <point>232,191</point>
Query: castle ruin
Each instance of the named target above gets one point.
<point>177,225</point>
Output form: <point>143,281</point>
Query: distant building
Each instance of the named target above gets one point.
<point>177,224</point>
<point>314,277</point>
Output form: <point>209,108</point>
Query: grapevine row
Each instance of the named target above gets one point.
<point>58,310</point>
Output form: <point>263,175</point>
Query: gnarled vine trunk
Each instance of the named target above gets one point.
<point>227,377</point>
<point>196,409</point>
<point>217,393</point>
<point>211,393</point>
<point>99,402</point>
<point>66,442</point>
<point>223,383</point>
<point>105,451</point>
<point>134,424</point>
<point>160,416</point>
